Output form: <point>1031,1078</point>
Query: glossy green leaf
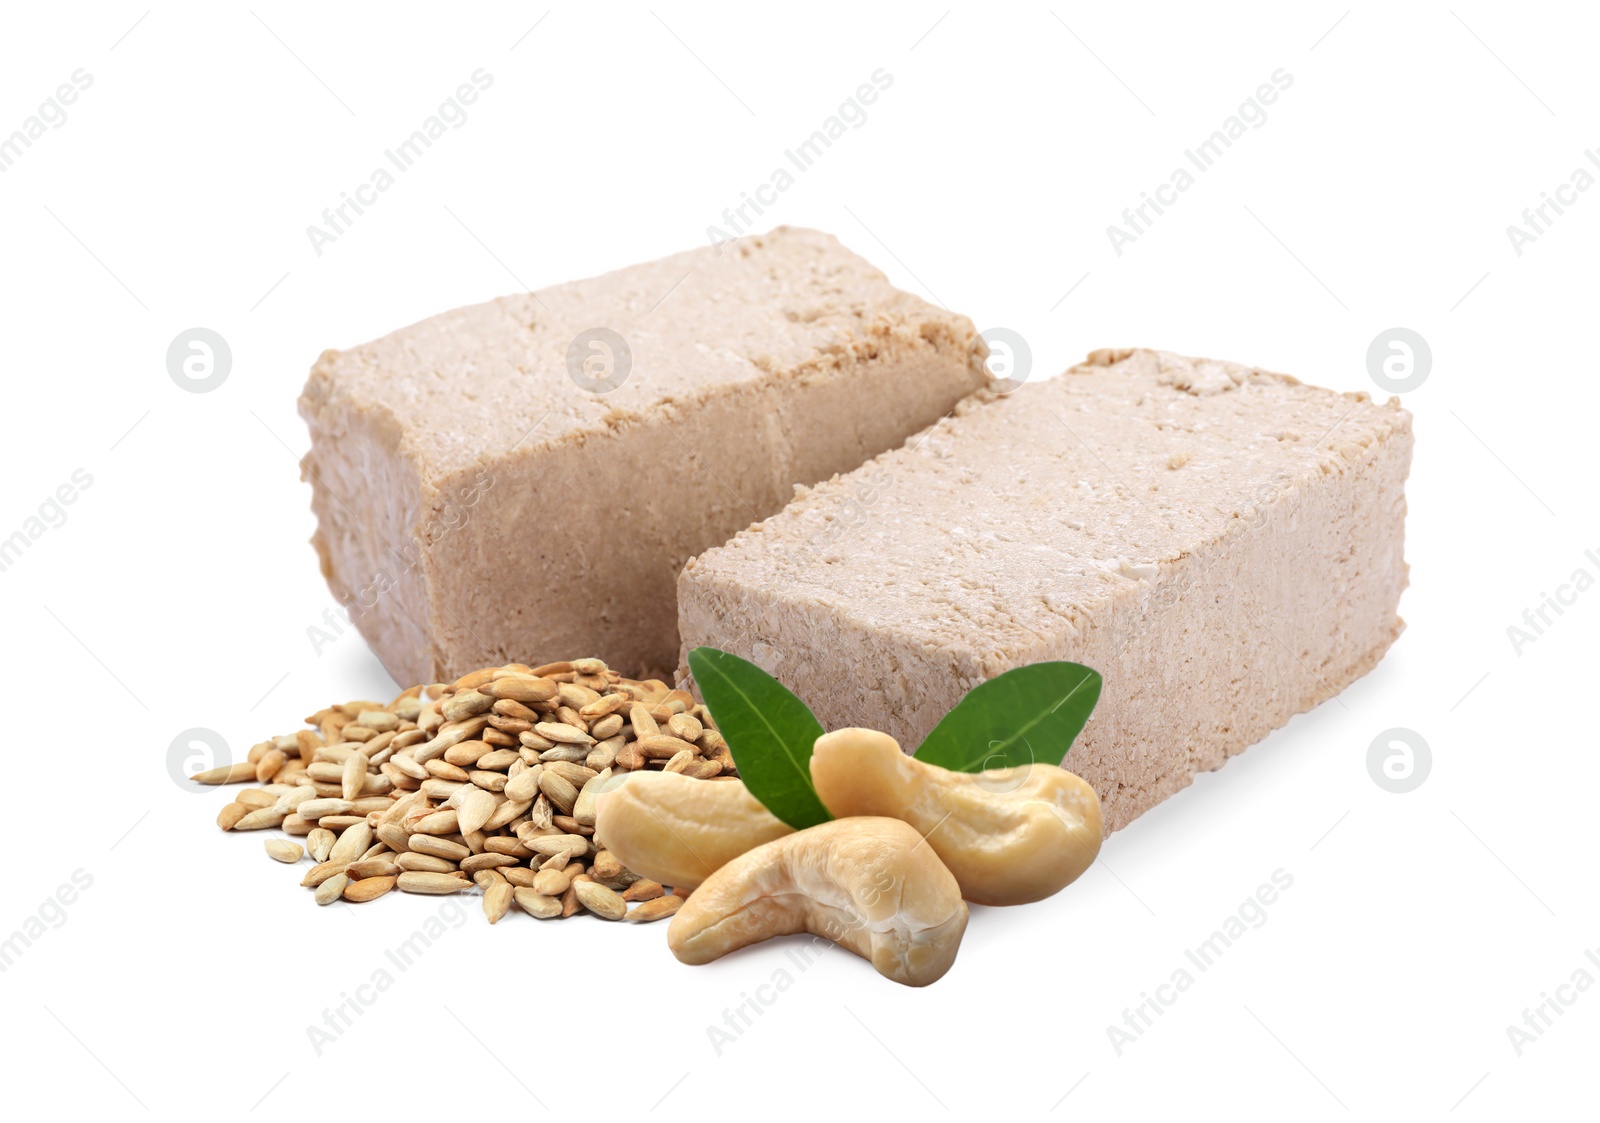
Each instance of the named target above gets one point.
<point>769,731</point>
<point>1027,715</point>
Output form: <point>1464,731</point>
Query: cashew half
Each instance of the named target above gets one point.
<point>867,884</point>
<point>1009,835</point>
<point>678,830</point>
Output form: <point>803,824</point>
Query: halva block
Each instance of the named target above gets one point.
<point>518,480</point>
<point>1225,545</point>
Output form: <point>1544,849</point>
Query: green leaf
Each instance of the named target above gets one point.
<point>1027,715</point>
<point>769,731</point>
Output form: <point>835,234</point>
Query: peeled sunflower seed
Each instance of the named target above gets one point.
<point>536,904</point>
<point>368,888</point>
<point>264,819</point>
<point>425,863</point>
<point>643,890</point>
<point>438,847</point>
<point>352,843</point>
<point>654,909</point>
<point>414,881</point>
<point>322,808</point>
<point>522,689</point>
<point>321,872</point>
<point>319,843</point>
<point>443,822</point>
<point>552,845</point>
<point>354,777</point>
<point>372,867</point>
<point>282,851</point>
<point>226,774</point>
<point>559,732</point>
<point>476,807</point>
<point>558,789</point>
<point>603,902</point>
<point>331,890</point>
<point>465,704</point>
<point>524,785</point>
<point>497,897</point>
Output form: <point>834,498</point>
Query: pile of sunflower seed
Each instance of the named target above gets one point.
<point>489,780</point>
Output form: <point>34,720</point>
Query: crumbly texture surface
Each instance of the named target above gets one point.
<point>476,506</point>
<point>1224,544</point>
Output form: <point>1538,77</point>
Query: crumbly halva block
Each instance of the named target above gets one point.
<point>476,505</point>
<point>1224,544</point>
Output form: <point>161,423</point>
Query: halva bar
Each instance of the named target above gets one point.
<point>1223,544</point>
<point>518,480</point>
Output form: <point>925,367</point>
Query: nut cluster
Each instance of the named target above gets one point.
<point>887,877</point>
<point>489,780</point>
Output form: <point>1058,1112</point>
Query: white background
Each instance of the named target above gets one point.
<point>179,591</point>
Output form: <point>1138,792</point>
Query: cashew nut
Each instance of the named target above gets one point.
<point>678,830</point>
<point>867,884</point>
<point>1009,835</point>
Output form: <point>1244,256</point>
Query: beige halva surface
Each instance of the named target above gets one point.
<point>475,506</point>
<point>1222,543</point>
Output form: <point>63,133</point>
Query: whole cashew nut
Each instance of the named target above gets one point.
<point>867,884</point>
<point>678,830</point>
<point>1009,835</point>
